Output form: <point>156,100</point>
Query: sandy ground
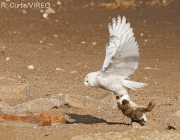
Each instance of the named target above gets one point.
<point>66,40</point>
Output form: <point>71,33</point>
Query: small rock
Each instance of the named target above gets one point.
<point>55,35</point>
<point>73,71</point>
<point>145,40</point>
<point>94,43</point>
<point>31,67</point>
<point>19,77</point>
<point>3,47</point>
<point>24,11</point>
<point>83,42</point>
<point>59,3</point>
<point>60,69</point>
<point>92,4</point>
<point>50,44</point>
<point>41,11</point>
<point>141,34</point>
<point>45,15</point>
<point>49,11</point>
<point>7,58</point>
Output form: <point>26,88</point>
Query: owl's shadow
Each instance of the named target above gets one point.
<point>89,119</point>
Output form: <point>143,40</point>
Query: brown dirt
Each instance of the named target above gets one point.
<point>21,35</point>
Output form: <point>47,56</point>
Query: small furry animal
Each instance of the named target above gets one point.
<point>121,60</point>
<point>135,112</point>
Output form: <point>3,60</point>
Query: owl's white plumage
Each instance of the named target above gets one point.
<point>121,60</point>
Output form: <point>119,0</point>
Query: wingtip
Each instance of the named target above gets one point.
<point>124,18</point>
<point>113,20</point>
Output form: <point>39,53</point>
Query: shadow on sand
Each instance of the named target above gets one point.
<point>89,119</point>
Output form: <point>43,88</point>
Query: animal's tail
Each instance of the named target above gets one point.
<point>133,85</point>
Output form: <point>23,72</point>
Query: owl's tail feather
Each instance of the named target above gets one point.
<point>133,85</point>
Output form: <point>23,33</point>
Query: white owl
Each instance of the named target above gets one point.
<point>121,60</point>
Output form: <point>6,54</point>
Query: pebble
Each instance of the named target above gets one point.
<point>24,11</point>
<point>19,77</point>
<point>60,69</point>
<point>94,43</point>
<point>59,3</point>
<point>55,35</point>
<point>146,40</point>
<point>83,42</point>
<point>31,67</point>
<point>7,58</point>
<point>3,47</point>
<point>34,127</point>
<point>50,44</point>
<point>141,34</point>
<point>45,15</point>
<point>73,71</point>
<point>92,4</point>
<point>49,11</point>
<point>41,11</point>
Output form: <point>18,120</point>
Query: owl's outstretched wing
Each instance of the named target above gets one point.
<point>122,52</point>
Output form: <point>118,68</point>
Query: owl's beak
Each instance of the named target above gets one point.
<point>86,83</point>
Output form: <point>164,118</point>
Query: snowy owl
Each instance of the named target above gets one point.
<point>121,60</point>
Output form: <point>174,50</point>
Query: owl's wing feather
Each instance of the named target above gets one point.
<point>122,52</point>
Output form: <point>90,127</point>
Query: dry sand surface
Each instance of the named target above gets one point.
<point>67,45</point>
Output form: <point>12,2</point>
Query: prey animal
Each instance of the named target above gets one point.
<point>121,60</point>
<point>136,113</point>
